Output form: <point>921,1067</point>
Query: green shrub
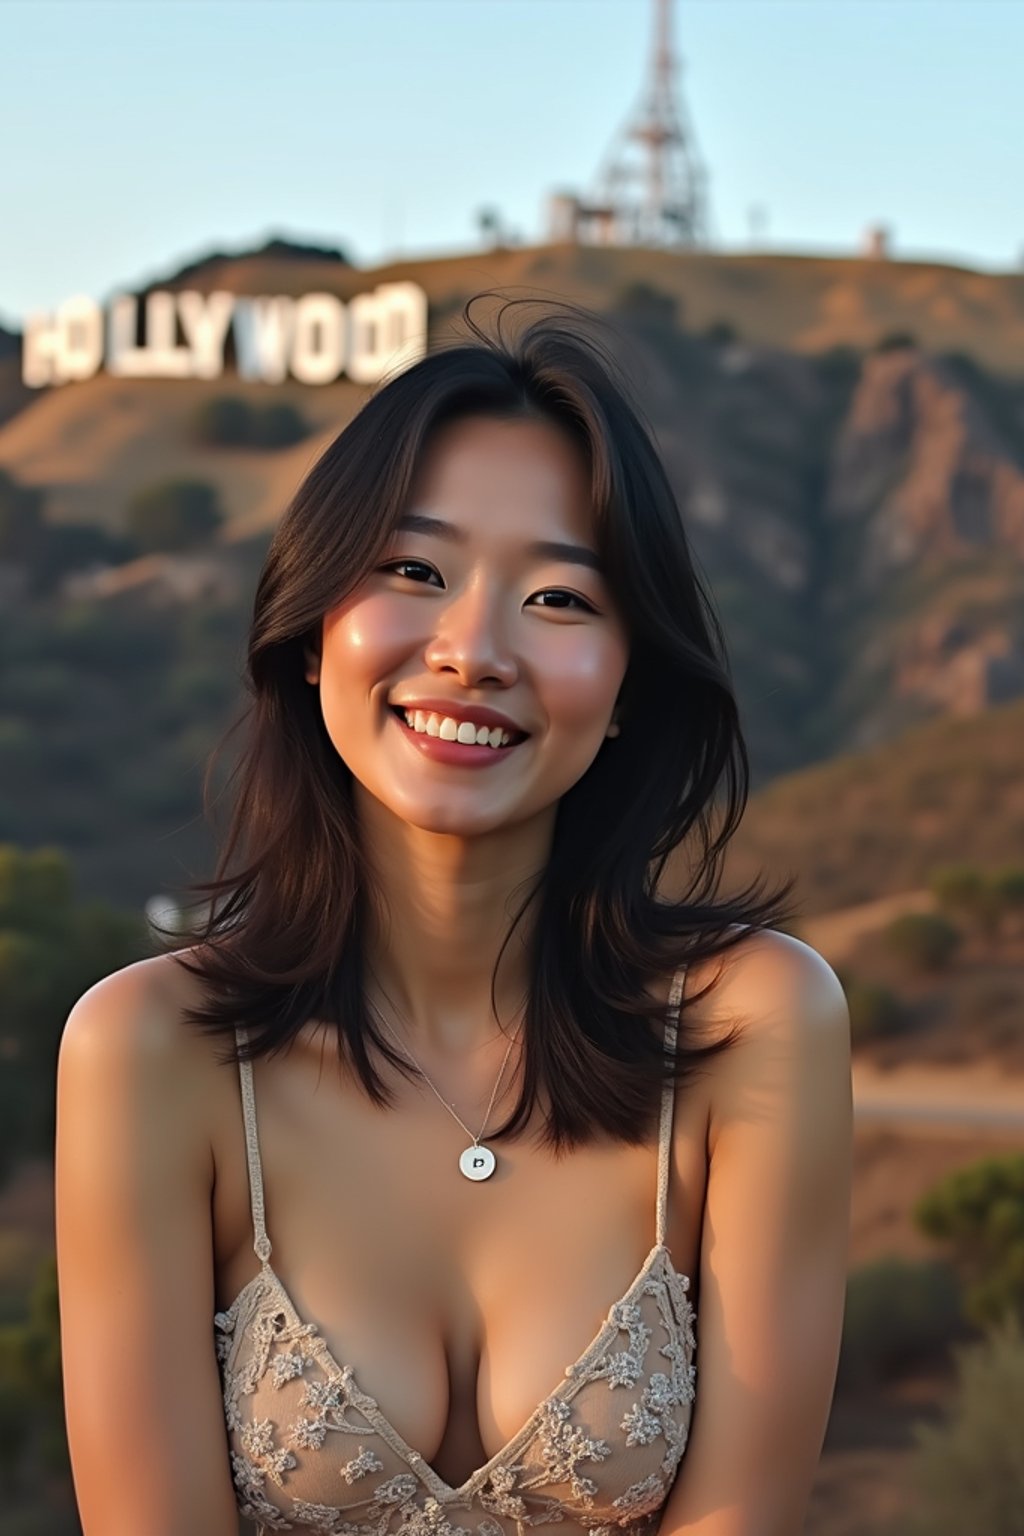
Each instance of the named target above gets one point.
<point>875,1011</point>
<point>52,946</point>
<point>979,1212</point>
<point>1009,884</point>
<point>898,1313</point>
<point>956,888</point>
<point>721,333</point>
<point>978,896</point>
<point>223,422</point>
<point>277,426</point>
<point>895,341</point>
<point>643,302</point>
<point>31,1392</point>
<point>1007,887</point>
<point>174,515</point>
<point>968,1472</point>
<point>923,940</point>
<point>22,529</point>
<point>228,421</point>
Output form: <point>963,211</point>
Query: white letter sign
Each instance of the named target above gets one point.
<point>184,334</point>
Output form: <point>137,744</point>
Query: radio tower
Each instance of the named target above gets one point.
<point>651,186</point>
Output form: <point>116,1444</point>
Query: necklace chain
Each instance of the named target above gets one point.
<point>451,1110</point>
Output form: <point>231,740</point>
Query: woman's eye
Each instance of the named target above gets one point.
<point>403,568</point>
<point>560,592</point>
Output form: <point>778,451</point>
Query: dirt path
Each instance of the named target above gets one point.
<point>833,934</point>
<point>972,1099</point>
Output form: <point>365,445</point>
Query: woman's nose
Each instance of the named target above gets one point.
<point>470,640</point>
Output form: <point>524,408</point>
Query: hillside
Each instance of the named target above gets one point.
<point>855,501</point>
<point>875,823</point>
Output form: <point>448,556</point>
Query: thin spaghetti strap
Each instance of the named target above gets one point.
<point>261,1244</point>
<point>667,1105</point>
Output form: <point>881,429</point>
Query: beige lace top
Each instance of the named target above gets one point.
<point>311,1451</point>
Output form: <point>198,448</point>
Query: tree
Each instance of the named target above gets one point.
<point>924,940</point>
<point>223,421</point>
<point>968,892</point>
<point>979,1212</point>
<point>22,530</point>
<point>875,1011</point>
<point>969,1471</point>
<point>277,426</point>
<point>899,1312</point>
<point>52,948</point>
<point>1008,893</point>
<point>174,515</point>
<point>228,421</point>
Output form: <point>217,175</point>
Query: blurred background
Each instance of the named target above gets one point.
<point>224,221</point>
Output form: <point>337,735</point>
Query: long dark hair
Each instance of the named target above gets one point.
<point>282,939</point>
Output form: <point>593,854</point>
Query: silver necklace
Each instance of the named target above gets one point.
<point>476,1162</point>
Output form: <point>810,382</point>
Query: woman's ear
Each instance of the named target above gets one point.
<point>311,662</point>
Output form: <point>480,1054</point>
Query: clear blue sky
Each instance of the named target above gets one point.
<point>136,134</point>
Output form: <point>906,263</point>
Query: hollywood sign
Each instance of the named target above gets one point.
<point>313,338</point>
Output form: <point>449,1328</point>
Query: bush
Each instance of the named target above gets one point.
<point>228,421</point>
<point>875,1011</point>
<point>923,940</point>
<point>979,1212</point>
<point>174,515</point>
<point>1009,884</point>
<point>980,898</point>
<point>642,302</point>
<point>52,946</point>
<point>895,341</point>
<point>968,1472</point>
<point>222,422</point>
<point>277,426</point>
<point>31,1391</point>
<point>1008,895</point>
<point>956,888</point>
<point>721,333</point>
<point>22,530</point>
<point>898,1314</point>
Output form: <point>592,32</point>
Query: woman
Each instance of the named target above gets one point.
<point>472,853</point>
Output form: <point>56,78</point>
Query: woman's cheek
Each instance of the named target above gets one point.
<point>370,638</point>
<point>580,687</point>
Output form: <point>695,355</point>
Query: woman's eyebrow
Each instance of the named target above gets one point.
<point>541,549</point>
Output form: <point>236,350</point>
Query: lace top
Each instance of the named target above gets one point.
<point>311,1451</point>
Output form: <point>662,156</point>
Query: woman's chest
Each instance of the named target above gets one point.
<point>457,1304</point>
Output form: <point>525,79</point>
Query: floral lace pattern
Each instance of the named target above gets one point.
<point>311,1451</point>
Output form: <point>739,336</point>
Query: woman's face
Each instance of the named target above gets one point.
<point>488,595</point>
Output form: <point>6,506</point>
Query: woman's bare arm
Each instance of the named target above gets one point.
<point>134,1176</point>
<point>774,1249</point>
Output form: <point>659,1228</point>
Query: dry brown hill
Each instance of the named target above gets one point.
<point>60,439</point>
<point>877,823</point>
<point>859,515</point>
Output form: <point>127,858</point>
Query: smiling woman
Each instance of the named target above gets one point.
<point>474,848</point>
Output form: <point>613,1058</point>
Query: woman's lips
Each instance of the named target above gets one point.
<point>455,753</point>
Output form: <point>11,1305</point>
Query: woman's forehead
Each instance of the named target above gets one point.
<point>529,471</point>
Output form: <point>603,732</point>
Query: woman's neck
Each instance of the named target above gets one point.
<point>444,907</point>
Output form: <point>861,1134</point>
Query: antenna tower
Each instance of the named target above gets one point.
<point>652,185</point>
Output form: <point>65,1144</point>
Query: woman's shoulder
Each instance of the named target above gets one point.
<point>789,1013</point>
<point>765,968</point>
<point>129,1032</point>
<point>765,976</point>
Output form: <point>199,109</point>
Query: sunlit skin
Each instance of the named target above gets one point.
<point>456,1304</point>
<point>471,614</point>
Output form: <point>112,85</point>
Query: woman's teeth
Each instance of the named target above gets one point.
<point>455,730</point>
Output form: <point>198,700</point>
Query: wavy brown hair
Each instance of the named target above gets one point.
<point>282,939</point>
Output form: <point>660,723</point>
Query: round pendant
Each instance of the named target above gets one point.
<point>477,1162</point>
